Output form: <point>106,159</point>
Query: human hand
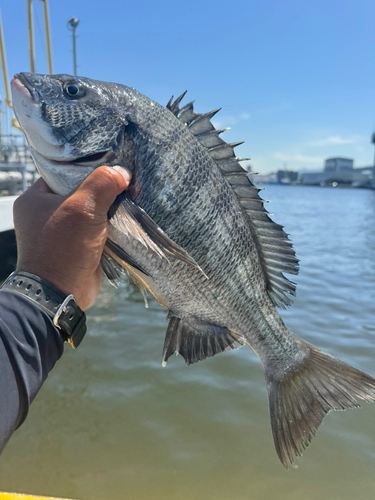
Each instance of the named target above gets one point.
<point>61,238</point>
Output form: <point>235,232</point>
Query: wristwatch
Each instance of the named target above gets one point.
<point>61,308</point>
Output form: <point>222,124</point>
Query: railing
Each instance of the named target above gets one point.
<point>15,167</point>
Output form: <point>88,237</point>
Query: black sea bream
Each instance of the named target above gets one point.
<point>192,230</point>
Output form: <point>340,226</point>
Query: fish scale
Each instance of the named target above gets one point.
<point>193,231</point>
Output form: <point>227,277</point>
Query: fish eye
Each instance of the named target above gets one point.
<point>73,90</point>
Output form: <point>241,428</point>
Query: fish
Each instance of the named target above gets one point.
<point>193,231</point>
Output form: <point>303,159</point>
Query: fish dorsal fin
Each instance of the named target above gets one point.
<point>275,248</point>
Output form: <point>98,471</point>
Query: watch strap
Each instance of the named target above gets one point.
<point>65,313</point>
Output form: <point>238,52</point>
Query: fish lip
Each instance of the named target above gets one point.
<point>80,160</point>
<point>22,84</point>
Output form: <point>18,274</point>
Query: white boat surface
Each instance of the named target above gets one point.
<point>6,213</point>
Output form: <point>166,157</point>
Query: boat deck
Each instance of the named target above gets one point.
<point>6,213</point>
<point>20,496</point>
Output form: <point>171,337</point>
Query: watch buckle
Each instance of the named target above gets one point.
<point>62,309</point>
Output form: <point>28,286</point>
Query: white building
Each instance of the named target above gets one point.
<point>338,165</point>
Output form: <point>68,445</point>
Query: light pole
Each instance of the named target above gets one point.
<point>73,23</point>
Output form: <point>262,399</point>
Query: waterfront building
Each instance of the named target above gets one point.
<point>338,165</point>
<point>339,171</point>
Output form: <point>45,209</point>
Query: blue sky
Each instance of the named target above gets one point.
<point>295,79</point>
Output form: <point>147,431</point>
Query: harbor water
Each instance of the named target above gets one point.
<point>111,423</point>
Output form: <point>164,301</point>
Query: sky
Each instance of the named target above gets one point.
<point>295,79</point>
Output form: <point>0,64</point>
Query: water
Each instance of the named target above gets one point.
<point>110,422</point>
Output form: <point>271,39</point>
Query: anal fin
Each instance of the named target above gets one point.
<point>196,340</point>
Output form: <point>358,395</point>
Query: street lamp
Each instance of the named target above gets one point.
<point>73,23</point>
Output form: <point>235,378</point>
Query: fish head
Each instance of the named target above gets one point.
<point>72,124</point>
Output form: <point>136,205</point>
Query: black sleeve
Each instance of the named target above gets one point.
<point>30,345</point>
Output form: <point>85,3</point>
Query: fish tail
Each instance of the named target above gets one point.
<point>301,396</point>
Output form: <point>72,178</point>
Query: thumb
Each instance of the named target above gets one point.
<point>102,187</point>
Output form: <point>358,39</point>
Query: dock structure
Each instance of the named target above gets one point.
<point>6,213</point>
<point>17,173</point>
<point>11,185</point>
<point>8,249</point>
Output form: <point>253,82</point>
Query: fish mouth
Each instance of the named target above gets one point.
<point>94,158</point>
<point>21,83</point>
<point>88,160</point>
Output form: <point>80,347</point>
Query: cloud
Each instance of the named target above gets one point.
<point>224,122</point>
<point>277,108</point>
<point>228,121</point>
<point>336,140</point>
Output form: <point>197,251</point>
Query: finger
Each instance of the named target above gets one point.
<point>35,195</point>
<point>124,172</point>
<point>102,187</point>
<point>35,191</point>
<point>40,186</point>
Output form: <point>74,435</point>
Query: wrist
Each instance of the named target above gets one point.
<point>66,284</point>
<point>65,314</point>
<point>46,273</point>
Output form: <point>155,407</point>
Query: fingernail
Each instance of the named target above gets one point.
<point>124,172</point>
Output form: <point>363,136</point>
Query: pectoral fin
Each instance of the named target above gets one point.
<point>115,262</point>
<point>111,269</point>
<point>131,220</point>
<point>114,249</point>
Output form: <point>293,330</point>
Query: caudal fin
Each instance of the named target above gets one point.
<point>300,398</point>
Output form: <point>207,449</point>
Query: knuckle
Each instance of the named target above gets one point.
<point>20,203</point>
<point>77,210</point>
<point>81,210</point>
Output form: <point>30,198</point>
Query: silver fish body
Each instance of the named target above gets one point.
<point>192,230</point>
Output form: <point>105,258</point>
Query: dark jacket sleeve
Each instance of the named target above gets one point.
<point>30,345</point>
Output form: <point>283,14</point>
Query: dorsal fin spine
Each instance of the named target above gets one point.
<point>226,145</point>
<point>208,115</point>
<point>228,174</point>
<point>275,248</point>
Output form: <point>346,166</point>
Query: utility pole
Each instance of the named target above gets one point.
<point>48,36</point>
<point>73,23</point>
<point>31,35</point>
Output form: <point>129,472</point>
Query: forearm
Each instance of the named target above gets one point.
<point>60,239</point>
<point>30,345</point>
